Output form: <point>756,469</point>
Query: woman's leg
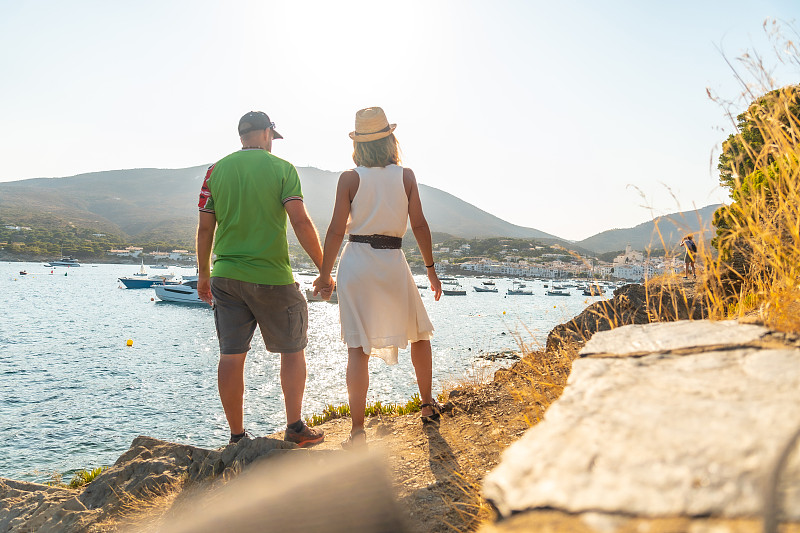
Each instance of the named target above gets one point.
<point>423,366</point>
<point>357,385</point>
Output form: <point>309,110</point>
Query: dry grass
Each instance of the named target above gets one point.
<point>758,238</point>
<point>534,382</point>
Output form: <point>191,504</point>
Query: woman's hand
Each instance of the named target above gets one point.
<point>324,286</point>
<point>436,285</point>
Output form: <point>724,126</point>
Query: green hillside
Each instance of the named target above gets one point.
<point>649,235</point>
<point>147,205</point>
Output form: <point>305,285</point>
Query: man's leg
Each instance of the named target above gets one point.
<point>293,383</point>
<point>230,380</point>
<point>357,385</point>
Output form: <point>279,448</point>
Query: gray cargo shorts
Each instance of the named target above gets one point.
<point>280,311</point>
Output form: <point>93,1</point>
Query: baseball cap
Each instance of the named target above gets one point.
<point>257,120</point>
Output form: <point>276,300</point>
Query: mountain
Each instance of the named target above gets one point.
<point>669,228</point>
<point>161,205</point>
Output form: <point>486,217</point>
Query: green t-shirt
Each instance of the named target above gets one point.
<point>246,191</point>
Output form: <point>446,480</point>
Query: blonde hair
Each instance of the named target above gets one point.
<point>379,153</point>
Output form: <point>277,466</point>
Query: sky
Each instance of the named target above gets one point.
<point>569,117</point>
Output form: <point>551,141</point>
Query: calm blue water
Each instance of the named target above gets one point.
<point>73,395</point>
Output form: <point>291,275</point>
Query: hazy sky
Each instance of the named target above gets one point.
<point>540,112</point>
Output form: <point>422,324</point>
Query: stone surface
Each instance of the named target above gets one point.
<point>661,434</point>
<point>672,336</point>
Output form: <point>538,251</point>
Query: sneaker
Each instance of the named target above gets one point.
<point>236,438</point>
<point>305,437</point>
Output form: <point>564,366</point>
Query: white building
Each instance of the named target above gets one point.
<point>629,257</point>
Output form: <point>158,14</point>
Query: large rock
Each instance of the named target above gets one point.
<point>681,419</point>
<point>631,304</point>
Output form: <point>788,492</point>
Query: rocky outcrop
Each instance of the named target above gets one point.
<point>631,304</point>
<point>662,421</point>
<point>149,468</point>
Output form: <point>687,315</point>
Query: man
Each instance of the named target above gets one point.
<point>244,202</point>
<point>690,250</point>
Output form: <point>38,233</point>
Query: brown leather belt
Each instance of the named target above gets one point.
<point>380,242</point>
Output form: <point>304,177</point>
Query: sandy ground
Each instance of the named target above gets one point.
<point>437,472</point>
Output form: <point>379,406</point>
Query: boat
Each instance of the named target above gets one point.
<point>140,280</point>
<point>422,286</point>
<point>488,282</point>
<point>593,290</point>
<point>517,289</point>
<point>519,292</point>
<point>23,273</point>
<point>318,298</point>
<point>64,262</point>
<point>449,281</point>
<point>557,292</point>
<point>454,292</point>
<point>185,293</point>
<point>485,289</point>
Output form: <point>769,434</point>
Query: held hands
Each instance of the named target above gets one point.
<point>204,288</point>
<point>436,285</point>
<point>324,286</point>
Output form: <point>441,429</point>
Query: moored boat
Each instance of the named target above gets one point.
<point>485,289</point>
<point>64,262</point>
<point>519,292</point>
<point>454,292</point>
<point>318,298</point>
<point>185,293</point>
<point>140,280</point>
<point>557,292</point>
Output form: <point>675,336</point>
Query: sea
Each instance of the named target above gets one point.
<point>74,394</point>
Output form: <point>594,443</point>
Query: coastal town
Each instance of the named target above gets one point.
<point>497,256</point>
<point>512,258</point>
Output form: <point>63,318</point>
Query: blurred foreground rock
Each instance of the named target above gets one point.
<point>152,468</point>
<point>680,421</point>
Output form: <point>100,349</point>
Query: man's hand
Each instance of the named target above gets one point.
<point>204,288</point>
<point>324,286</point>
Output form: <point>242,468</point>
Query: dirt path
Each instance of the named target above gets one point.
<point>437,472</point>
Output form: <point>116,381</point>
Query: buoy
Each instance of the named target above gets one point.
<point>130,342</point>
<point>504,312</point>
<point>152,299</point>
<point>65,273</point>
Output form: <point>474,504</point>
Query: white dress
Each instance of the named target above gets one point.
<point>379,304</point>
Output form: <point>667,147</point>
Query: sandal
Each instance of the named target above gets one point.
<point>435,417</point>
<point>350,443</point>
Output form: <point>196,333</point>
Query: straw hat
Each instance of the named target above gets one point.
<point>371,125</point>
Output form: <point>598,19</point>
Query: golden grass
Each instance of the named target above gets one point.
<point>332,412</point>
<point>758,237</point>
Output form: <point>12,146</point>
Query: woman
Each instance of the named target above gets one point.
<point>379,304</point>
